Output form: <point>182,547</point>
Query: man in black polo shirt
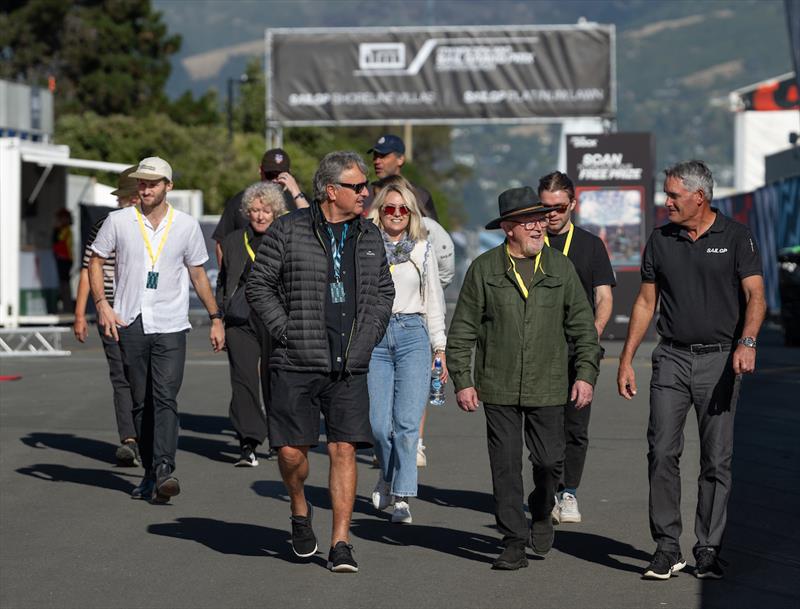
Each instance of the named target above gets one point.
<point>590,258</point>
<point>706,271</point>
<point>275,166</point>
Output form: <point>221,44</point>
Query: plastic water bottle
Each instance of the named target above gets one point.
<point>437,387</point>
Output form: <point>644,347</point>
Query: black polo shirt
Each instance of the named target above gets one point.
<point>700,281</point>
<point>339,317</point>
<point>589,256</point>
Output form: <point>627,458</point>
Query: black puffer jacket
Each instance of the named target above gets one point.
<point>288,285</point>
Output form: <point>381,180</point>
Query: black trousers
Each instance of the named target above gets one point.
<point>543,429</point>
<point>249,348</point>
<point>123,400</point>
<point>154,367</point>
<point>576,438</point>
<point>681,380</point>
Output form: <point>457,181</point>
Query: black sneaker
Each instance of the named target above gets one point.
<point>247,457</point>
<point>128,454</point>
<point>167,485</point>
<point>304,542</point>
<point>664,565</point>
<point>511,558</point>
<point>542,533</point>
<point>340,558</point>
<point>708,564</point>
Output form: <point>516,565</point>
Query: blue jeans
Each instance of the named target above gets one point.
<point>399,381</point>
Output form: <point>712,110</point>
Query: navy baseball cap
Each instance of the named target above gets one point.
<point>388,143</point>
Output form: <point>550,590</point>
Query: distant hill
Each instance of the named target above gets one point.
<point>676,61</point>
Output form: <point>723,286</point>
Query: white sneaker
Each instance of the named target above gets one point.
<point>381,496</point>
<point>569,508</point>
<point>402,513</point>
<point>422,460</point>
<point>555,515</point>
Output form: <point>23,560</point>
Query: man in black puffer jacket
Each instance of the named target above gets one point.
<point>322,287</point>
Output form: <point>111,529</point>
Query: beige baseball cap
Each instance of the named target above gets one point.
<point>126,185</point>
<point>153,168</point>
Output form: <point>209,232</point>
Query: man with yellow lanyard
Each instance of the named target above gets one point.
<point>590,257</point>
<point>158,251</point>
<point>519,305</point>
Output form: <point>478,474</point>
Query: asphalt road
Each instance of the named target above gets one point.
<point>71,537</point>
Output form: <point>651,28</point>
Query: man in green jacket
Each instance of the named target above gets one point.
<point>519,304</point>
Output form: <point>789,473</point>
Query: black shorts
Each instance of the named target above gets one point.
<point>298,398</point>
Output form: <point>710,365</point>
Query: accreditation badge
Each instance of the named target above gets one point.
<point>152,280</point>
<point>337,292</point>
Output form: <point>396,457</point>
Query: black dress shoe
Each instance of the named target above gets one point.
<point>166,484</point>
<point>511,558</point>
<point>145,488</point>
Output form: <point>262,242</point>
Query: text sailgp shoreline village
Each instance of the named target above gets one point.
<point>416,98</point>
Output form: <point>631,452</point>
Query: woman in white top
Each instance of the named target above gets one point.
<point>399,371</point>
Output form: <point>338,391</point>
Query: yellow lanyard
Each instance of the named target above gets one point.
<point>249,249</point>
<point>568,242</point>
<point>153,258</point>
<point>517,276</point>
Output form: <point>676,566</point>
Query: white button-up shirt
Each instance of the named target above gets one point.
<point>166,308</point>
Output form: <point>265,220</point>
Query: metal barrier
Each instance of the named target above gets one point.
<point>33,341</point>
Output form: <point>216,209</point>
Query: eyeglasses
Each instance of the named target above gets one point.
<point>531,224</point>
<point>390,210</point>
<point>557,208</point>
<point>356,188</point>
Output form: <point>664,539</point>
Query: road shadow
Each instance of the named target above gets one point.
<point>86,447</point>
<point>317,495</point>
<point>205,423</point>
<point>100,478</point>
<point>235,538</point>
<point>461,544</point>
<point>450,497</point>
<point>600,550</point>
<point>221,451</point>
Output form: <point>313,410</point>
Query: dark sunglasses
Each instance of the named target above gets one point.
<point>356,188</point>
<point>271,175</point>
<point>390,210</point>
<point>557,208</point>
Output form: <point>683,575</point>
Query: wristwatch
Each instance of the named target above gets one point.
<point>747,341</point>
<point>217,315</point>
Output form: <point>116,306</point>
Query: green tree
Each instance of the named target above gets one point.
<point>107,56</point>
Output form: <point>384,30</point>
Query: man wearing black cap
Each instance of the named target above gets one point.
<point>388,158</point>
<point>275,165</point>
<point>519,305</point>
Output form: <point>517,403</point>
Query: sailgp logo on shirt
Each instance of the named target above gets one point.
<point>716,250</point>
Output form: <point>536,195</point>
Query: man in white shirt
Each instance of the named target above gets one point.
<point>158,251</point>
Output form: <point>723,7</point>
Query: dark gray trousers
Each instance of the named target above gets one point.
<point>248,348</point>
<point>123,400</point>
<point>543,429</point>
<point>681,380</point>
<point>576,439</point>
<point>154,367</point>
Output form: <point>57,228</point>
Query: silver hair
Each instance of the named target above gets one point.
<point>330,170</point>
<point>695,175</point>
<point>267,193</point>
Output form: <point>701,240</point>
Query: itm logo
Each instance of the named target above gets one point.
<point>381,56</point>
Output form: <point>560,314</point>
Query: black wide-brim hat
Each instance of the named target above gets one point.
<point>516,202</point>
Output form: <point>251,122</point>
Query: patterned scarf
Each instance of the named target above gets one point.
<point>399,252</point>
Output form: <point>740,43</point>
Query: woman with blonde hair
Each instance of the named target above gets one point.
<point>399,371</point>
<point>246,338</point>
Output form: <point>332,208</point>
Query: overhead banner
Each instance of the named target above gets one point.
<point>613,177</point>
<point>479,74</point>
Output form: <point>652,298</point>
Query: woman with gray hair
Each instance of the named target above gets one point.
<point>246,338</point>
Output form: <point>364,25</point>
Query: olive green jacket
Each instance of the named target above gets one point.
<point>521,354</point>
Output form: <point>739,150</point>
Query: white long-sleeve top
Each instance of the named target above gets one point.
<point>429,301</point>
